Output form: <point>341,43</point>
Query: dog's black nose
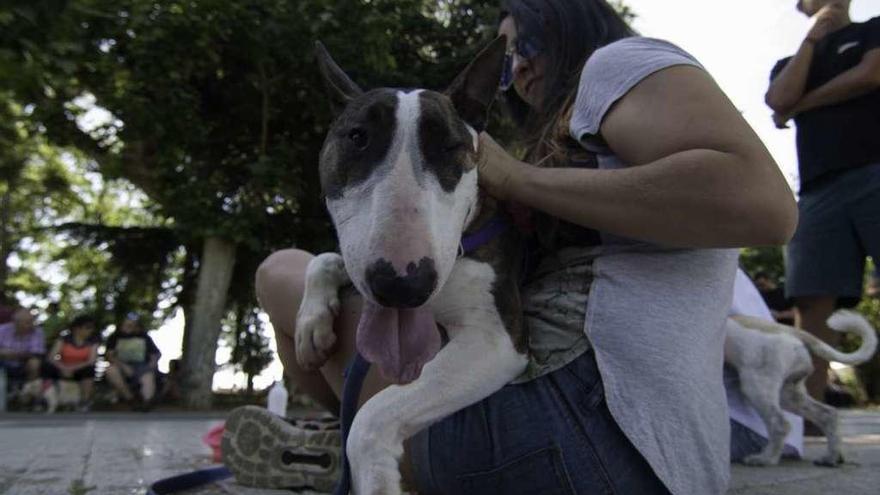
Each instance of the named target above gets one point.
<point>408,291</point>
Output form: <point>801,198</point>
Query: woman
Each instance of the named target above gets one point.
<point>639,171</point>
<point>73,357</point>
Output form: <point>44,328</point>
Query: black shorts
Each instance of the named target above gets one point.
<point>50,372</point>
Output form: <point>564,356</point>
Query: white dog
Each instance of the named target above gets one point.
<point>61,393</point>
<point>773,362</point>
<point>398,170</point>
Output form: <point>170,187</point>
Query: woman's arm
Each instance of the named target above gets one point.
<point>700,176</point>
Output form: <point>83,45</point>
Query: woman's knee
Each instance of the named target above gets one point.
<point>279,284</point>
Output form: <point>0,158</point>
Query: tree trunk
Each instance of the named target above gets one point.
<point>215,273</point>
<point>5,237</point>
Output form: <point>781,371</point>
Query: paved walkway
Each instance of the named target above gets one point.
<point>112,454</point>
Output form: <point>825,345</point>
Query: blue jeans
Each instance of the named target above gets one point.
<point>552,435</point>
<point>745,442</point>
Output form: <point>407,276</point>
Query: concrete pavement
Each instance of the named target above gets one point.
<point>118,453</point>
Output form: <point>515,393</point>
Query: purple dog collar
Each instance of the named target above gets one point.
<point>492,229</point>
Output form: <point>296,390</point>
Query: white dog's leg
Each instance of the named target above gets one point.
<point>763,392</point>
<point>473,365</point>
<point>320,305</point>
<point>797,400</point>
<point>478,360</point>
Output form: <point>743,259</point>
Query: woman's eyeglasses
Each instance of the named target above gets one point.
<point>522,48</point>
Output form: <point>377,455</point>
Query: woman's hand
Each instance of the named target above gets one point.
<point>496,168</point>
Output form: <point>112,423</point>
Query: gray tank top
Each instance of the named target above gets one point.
<point>653,314</point>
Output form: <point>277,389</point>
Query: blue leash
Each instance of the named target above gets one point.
<point>351,392</point>
<point>188,481</point>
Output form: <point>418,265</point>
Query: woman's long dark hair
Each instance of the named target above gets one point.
<point>568,32</point>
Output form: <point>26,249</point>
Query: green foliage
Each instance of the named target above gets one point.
<point>764,259</point>
<point>215,110</point>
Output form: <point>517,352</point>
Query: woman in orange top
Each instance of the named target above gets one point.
<point>74,354</point>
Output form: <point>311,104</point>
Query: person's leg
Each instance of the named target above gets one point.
<point>280,283</point>
<point>114,376</point>
<point>811,314</point>
<point>86,379</point>
<point>86,388</point>
<point>148,385</point>
<point>553,434</point>
<point>32,368</point>
<point>825,263</point>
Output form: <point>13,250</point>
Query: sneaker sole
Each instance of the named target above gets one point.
<point>263,450</point>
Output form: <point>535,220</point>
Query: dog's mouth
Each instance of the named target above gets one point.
<point>400,341</point>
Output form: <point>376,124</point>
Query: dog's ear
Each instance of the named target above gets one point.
<point>474,90</point>
<point>342,89</point>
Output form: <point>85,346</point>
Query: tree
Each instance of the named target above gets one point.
<point>214,110</point>
<point>237,187</point>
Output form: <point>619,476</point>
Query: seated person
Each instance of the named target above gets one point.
<point>748,432</point>
<point>73,357</point>
<point>21,346</point>
<point>133,358</point>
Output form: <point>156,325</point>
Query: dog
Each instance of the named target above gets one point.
<point>773,362</point>
<point>52,394</point>
<point>398,172</point>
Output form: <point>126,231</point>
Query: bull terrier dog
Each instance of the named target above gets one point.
<point>773,362</point>
<point>398,172</point>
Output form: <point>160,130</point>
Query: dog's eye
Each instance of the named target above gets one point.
<point>359,138</point>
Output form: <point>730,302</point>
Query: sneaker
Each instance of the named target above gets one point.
<point>265,451</point>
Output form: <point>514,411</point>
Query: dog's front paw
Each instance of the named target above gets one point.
<point>373,457</point>
<point>829,460</point>
<point>315,337</point>
<point>759,460</point>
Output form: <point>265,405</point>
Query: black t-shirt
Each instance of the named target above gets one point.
<point>844,136</point>
<point>132,348</point>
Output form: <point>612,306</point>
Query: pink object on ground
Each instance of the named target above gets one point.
<point>398,341</point>
<point>212,439</point>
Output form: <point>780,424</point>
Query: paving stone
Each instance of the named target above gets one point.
<point>117,453</point>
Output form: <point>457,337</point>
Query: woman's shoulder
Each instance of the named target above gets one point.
<point>614,69</point>
<point>637,51</point>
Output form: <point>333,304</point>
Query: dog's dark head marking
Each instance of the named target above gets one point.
<point>358,141</point>
<point>399,160</point>
<point>444,140</point>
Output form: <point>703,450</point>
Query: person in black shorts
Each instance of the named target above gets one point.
<point>73,357</point>
<point>831,88</point>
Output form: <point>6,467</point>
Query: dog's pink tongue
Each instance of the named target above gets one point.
<point>399,341</point>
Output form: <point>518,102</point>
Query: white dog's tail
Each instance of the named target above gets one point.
<point>844,321</point>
